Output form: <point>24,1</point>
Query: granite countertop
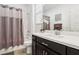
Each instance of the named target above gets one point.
<point>68,40</point>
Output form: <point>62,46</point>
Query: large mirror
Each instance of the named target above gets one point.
<point>47,15</point>
<point>65,14</point>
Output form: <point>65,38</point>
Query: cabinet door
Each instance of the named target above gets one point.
<point>47,51</point>
<point>40,49</point>
<point>72,51</point>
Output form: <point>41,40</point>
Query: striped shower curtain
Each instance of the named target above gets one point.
<point>11,33</point>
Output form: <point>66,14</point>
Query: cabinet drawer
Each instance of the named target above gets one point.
<point>61,49</point>
<point>72,51</point>
<point>51,52</point>
<point>40,40</point>
<point>56,47</point>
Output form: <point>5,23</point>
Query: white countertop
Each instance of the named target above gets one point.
<point>68,40</point>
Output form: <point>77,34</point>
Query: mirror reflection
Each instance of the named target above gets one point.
<point>65,14</point>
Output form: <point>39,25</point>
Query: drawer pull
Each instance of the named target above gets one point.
<point>45,44</point>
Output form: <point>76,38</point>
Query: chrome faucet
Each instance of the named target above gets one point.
<point>42,30</point>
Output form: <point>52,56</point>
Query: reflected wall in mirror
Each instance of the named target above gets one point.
<point>46,22</point>
<point>58,17</point>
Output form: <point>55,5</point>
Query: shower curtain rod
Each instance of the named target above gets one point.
<point>6,6</point>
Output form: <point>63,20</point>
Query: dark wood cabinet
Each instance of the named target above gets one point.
<point>41,46</point>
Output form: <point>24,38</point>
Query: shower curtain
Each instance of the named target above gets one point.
<point>11,33</point>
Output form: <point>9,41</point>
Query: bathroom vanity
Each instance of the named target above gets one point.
<point>43,44</point>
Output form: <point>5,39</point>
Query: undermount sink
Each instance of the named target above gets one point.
<point>60,36</point>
